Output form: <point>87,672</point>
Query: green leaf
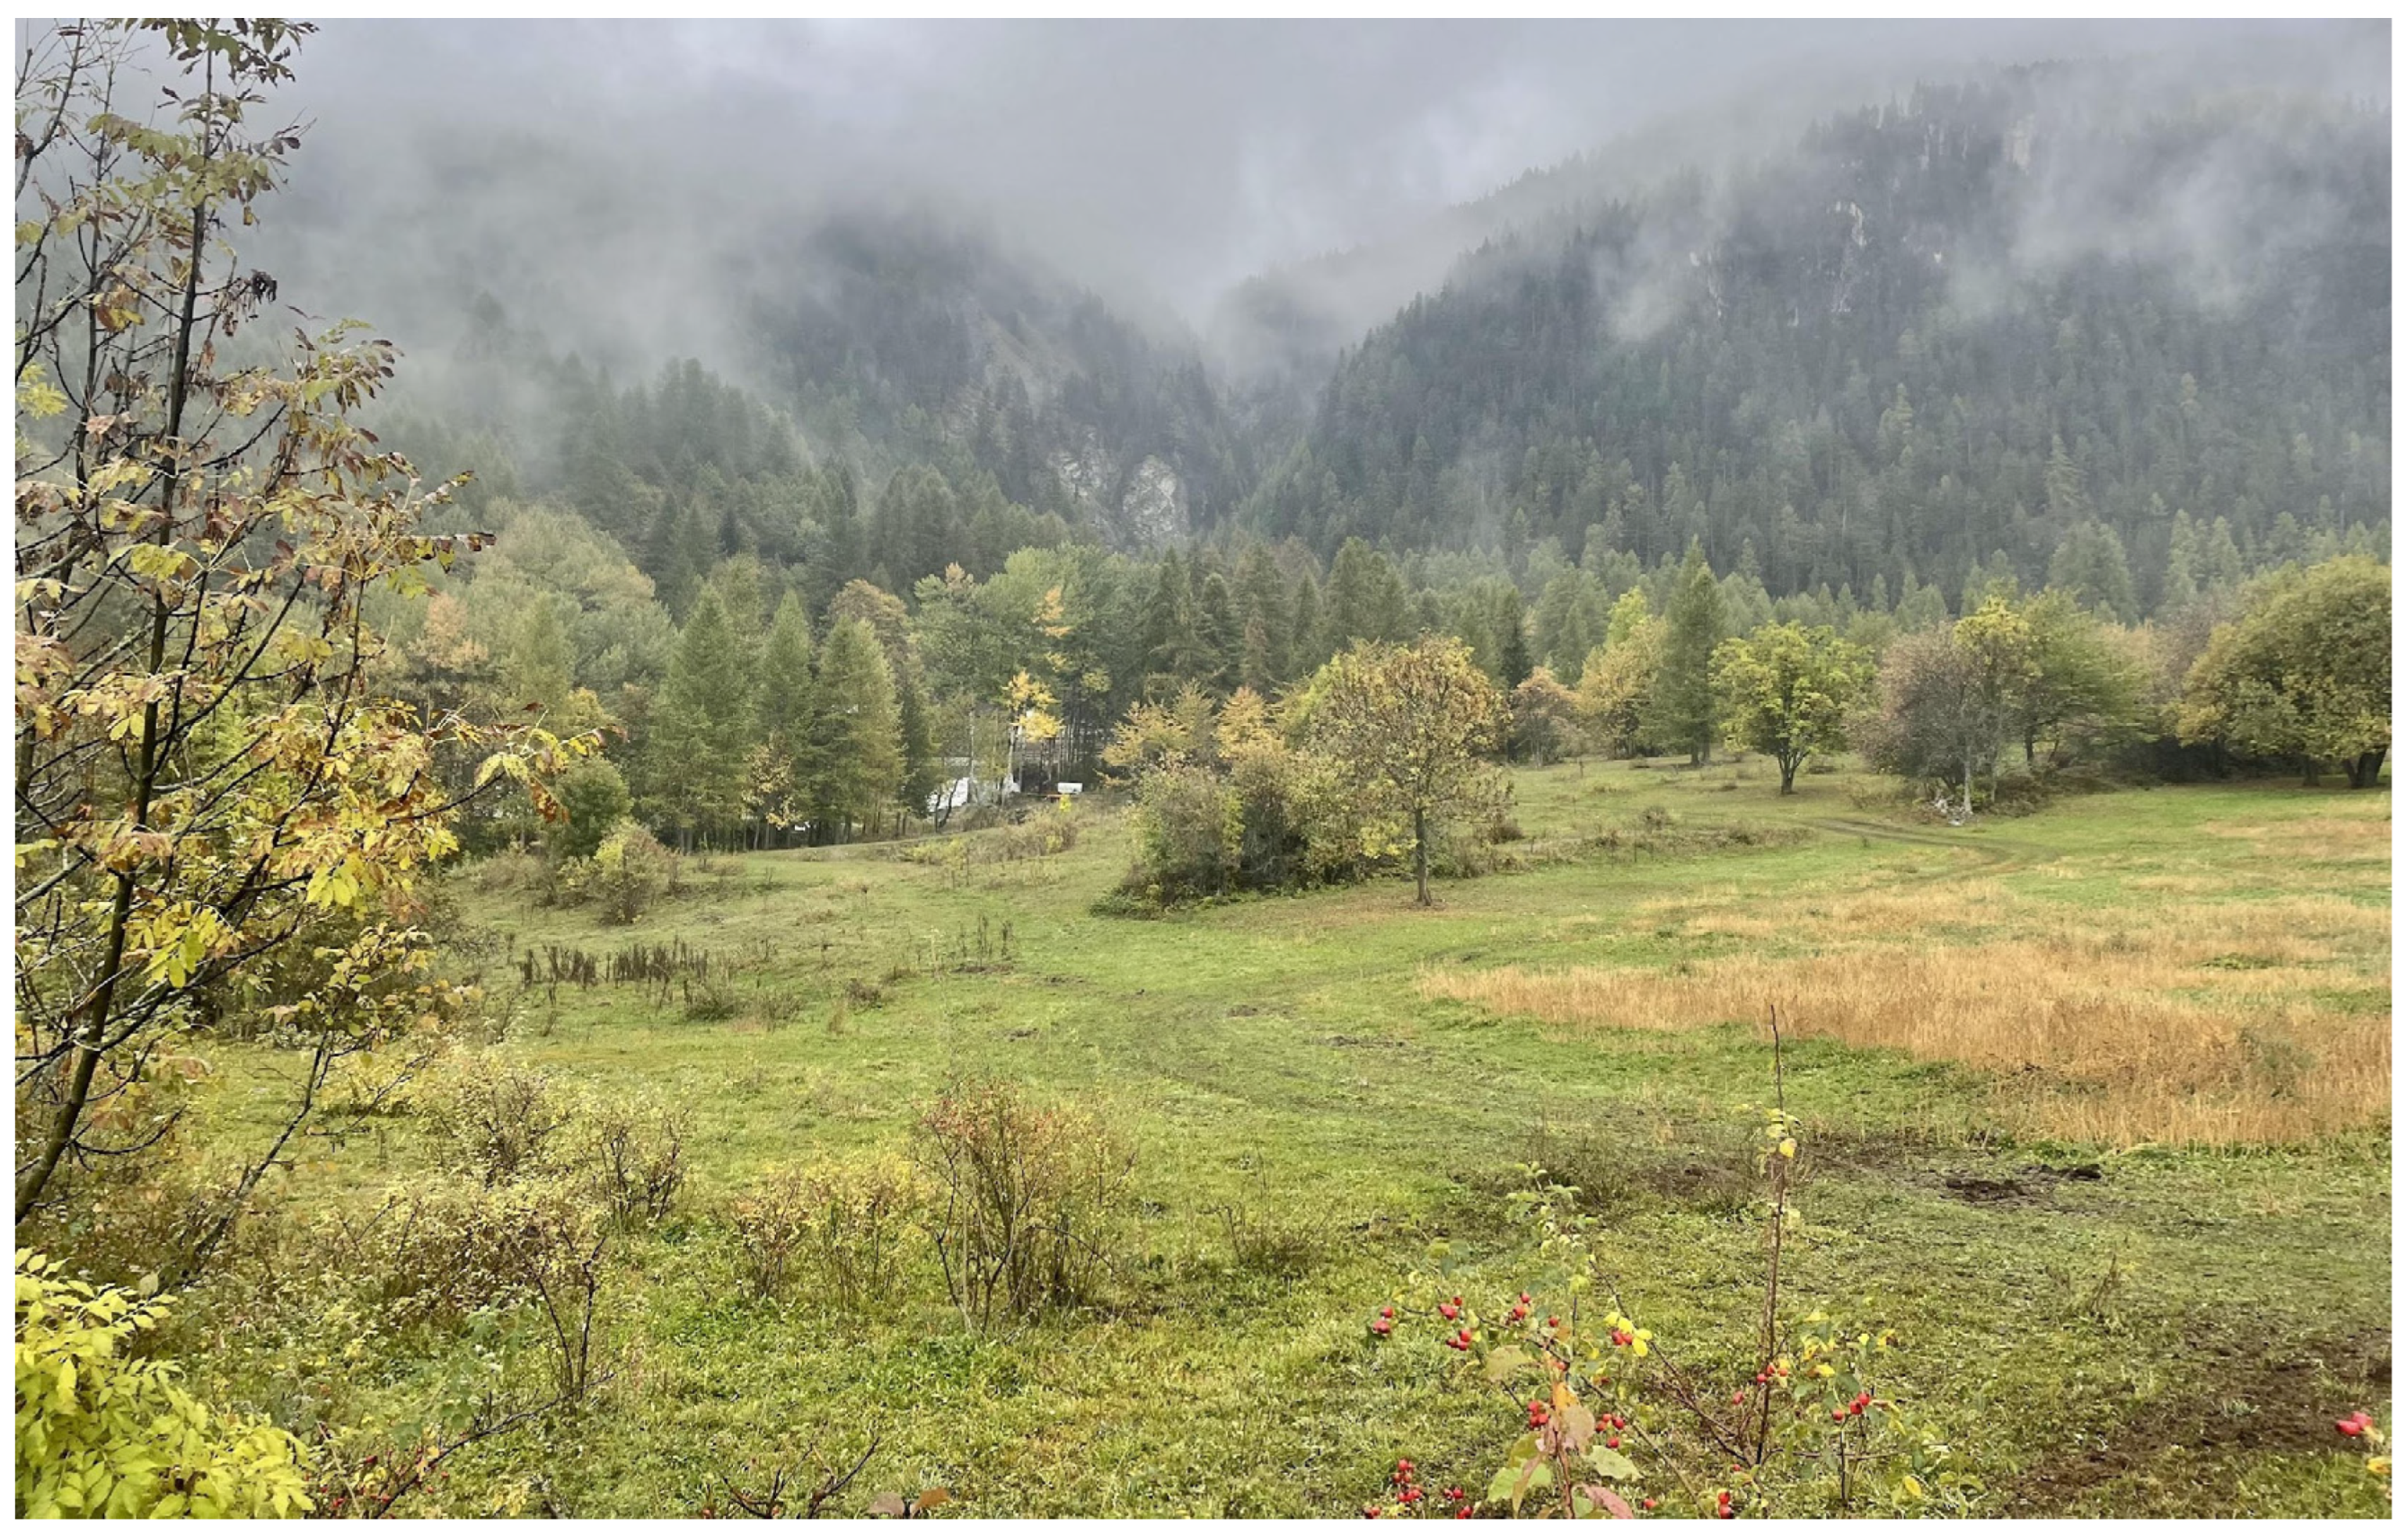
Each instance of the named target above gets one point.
<point>1613,1463</point>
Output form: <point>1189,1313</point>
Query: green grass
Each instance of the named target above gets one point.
<point>2174,1337</point>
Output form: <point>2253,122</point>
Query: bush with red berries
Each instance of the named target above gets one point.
<point>1613,1423</point>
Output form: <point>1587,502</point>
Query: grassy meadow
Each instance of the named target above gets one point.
<point>2096,1105</point>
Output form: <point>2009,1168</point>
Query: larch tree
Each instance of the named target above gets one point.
<point>780,767</point>
<point>857,736</point>
<point>701,728</point>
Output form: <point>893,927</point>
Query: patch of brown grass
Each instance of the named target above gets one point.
<point>2335,834</point>
<point>2200,1023</point>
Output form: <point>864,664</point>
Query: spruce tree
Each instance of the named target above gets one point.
<point>1306,649</point>
<point>2090,567</point>
<point>917,740</point>
<point>1683,700</point>
<point>1262,601</point>
<point>1168,631</point>
<point>1218,641</point>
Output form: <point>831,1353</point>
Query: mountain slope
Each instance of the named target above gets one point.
<point>1973,322</point>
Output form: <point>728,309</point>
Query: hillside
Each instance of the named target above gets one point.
<point>1968,324</point>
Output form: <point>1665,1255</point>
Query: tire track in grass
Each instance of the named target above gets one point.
<point>1991,857</point>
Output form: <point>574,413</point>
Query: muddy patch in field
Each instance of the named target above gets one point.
<point>2032,1183</point>
<point>2241,1400</point>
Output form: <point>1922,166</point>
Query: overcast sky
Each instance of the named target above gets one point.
<point>1172,159</point>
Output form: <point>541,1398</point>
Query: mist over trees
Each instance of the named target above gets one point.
<point>2022,434</point>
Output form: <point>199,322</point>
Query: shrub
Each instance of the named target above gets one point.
<point>512,868</point>
<point>381,1081</point>
<point>552,1245</point>
<point>101,1434</point>
<point>772,1223</point>
<point>630,873</point>
<point>1027,1202</point>
<point>844,1220</point>
<point>1805,1429</point>
<point>494,1119</point>
<point>440,1250</point>
<point>1189,832</point>
<point>634,1159</point>
<point>1271,853</point>
<point>594,796</point>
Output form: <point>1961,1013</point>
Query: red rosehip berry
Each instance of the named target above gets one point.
<point>1555,1321</point>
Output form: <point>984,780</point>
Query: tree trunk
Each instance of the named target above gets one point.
<point>2309,776</point>
<point>1789,773</point>
<point>1421,858</point>
<point>2367,770</point>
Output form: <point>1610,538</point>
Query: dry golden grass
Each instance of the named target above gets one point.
<point>2158,1017</point>
<point>2325,836</point>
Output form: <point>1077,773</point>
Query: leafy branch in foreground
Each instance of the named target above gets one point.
<point>217,815</point>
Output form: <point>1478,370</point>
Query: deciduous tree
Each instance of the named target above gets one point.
<point>210,792</point>
<point>1786,691</point>
<point>1412,725</point>
<point>2305,672</point>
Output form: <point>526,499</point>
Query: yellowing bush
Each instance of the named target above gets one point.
<point>102,1435</point>
<point>842,1222</point>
